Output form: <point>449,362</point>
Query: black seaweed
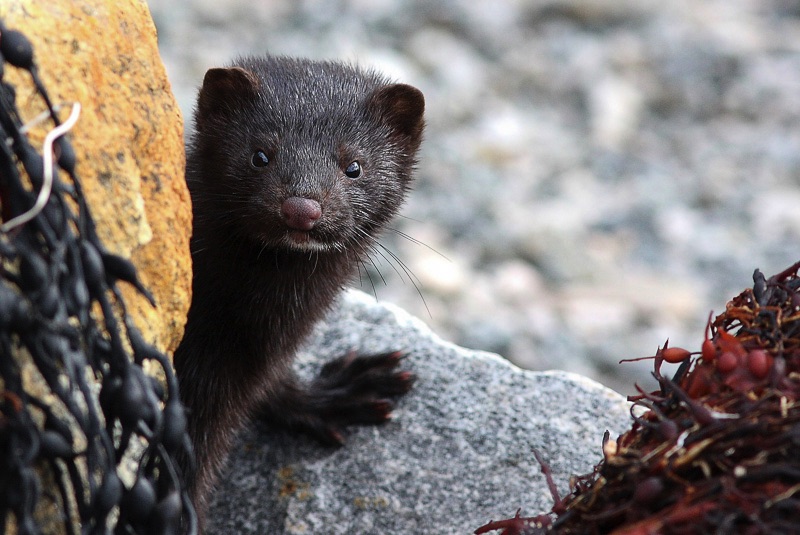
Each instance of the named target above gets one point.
<point>61,309</point>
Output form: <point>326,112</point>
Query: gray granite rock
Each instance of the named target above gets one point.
<point>457,454</point>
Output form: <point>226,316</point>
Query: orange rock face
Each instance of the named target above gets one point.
<point>128,140</point>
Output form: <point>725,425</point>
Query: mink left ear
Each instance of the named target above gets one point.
<point>221,87</point>
<point>401,107</point>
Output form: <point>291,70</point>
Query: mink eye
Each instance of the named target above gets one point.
<point>353,170</point>
<point>259,159</point>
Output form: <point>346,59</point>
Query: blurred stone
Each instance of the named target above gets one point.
<point>776,216</point>
<point>615,106</point>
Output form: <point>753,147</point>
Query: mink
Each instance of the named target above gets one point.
<point>294,169</point>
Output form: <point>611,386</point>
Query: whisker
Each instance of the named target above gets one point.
<point>417,242</point>
<point>409,218</point>
<point>360,278</point>
<point>388,261</point>
<point>394,261</point>
<point>315,254</point>
<point>411,276</point>
<point>263,248</point>
<point>377,270</point>
<point>369,277</point>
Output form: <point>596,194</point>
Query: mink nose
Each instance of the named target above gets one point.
<point>300,213</point>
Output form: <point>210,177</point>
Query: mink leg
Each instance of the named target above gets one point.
<point>351,390</point>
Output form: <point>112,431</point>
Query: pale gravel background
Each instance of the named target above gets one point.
<point>599,174</point>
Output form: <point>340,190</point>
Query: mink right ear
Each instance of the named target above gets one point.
<point>221,86</point>
<point>402,107</point>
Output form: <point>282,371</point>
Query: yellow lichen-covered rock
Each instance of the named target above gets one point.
<point>128,140</point>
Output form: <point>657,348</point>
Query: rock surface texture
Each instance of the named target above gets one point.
<point>457,454</point>
<point>128,140</point>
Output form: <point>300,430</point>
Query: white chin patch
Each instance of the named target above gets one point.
<point>302,241</point>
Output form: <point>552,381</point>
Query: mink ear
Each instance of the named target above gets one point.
<point>401,107</point>
<point>221,86</point>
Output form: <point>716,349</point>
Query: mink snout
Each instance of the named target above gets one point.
<point>300,213</point>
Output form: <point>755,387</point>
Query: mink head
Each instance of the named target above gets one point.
<point>301,155</point>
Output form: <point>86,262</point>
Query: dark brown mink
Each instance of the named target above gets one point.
<point>294,168</point>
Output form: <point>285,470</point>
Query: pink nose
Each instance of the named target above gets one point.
<point>300,213</point>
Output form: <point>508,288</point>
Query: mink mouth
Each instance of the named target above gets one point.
<point>303,240</point>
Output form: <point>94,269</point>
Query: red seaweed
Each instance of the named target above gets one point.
<point>716,449</point>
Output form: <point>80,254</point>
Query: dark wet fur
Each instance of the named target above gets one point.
<point>256,295</point>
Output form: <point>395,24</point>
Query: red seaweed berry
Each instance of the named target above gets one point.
<point>759,363</point>
<point>674,355</point>
<point>727,362</point>
<point>708,350</point>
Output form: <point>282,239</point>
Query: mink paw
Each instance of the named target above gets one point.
<point>351,390</point>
